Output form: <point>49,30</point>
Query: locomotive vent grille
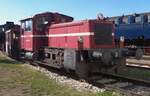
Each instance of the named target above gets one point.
<point>103,34</point>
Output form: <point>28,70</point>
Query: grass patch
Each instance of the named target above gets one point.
<point>136,73</point>
<point>108,93</point>
<point>19,80</point>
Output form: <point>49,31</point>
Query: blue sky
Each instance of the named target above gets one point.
<point>14,10</point>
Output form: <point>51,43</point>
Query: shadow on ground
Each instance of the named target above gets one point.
<point>8,61</point>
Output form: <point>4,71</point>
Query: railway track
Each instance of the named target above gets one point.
<point>143,63</point>
<point>124,85</point>
<point>136,65</point>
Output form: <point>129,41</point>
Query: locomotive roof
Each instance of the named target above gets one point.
<point>146,13</point>
<point>68,23</point>
<point>45,13</point>
<point>76,23</point>
<point>26,19</point>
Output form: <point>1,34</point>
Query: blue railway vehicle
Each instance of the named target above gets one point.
<point>135,29</point>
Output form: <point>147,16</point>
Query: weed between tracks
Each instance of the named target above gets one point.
<point>18,80</point>
<point>136,73</point>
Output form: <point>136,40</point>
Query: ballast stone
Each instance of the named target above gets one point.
<point>79,86</point>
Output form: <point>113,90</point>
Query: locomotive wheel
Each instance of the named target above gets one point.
<point>139,54</point>
<point>107,57</point>
<point>82,70</point>
<point>82,66</point>
<point>121,64</point>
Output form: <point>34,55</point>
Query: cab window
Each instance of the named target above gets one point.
<point>26,25</point>
<point>41,22</point>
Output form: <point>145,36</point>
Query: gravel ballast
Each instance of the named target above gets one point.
<point>64,80</point>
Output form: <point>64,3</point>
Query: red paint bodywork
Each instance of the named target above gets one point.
<point>72,41</point>
<point>27,42</point>
<point>34,40</point>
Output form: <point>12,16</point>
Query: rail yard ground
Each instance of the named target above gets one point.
<point>19,80</point>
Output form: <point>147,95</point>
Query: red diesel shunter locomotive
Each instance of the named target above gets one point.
<point>84,46</point>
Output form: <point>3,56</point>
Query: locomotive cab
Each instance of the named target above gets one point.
<point>34,31</point>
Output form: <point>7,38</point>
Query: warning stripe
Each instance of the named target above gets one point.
<point>62,35</point>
